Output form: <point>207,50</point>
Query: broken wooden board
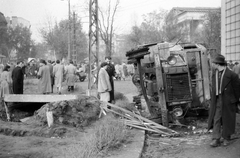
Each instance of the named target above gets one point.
<point>137,121</point>
<point>39,98</point>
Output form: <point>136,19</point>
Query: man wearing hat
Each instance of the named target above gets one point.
<point>224,100</point>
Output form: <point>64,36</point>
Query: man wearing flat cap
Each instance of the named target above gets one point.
<point>224,99</point>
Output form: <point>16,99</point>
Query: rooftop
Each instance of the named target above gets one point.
<point>182,10</point>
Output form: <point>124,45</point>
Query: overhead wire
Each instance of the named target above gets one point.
<point>146,3</point>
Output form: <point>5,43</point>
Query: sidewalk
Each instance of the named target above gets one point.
<point>135,147</point>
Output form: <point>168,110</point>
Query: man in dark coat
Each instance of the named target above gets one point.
<point>17,78</point>
<point>224,100</point>
<point>111,72</point>
<point>49,63</point>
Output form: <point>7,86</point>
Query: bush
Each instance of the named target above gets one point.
<point>110,133</point>
<point>119,96</point>
<point>123,102</point>
<point>30,82</point>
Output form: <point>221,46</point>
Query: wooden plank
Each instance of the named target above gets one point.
<point>205,71</point>
<point>160,84</point>
<point>40,98</point>
<point>139,117</point>
<point>199,83</point>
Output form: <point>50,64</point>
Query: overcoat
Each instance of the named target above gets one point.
<point>58,71</point>
<point>104,84</point>
<point>236,69</point>
<point>17,78</point>
<point>230,94</point>
<point>70,72</point>
<point>111,72</point>
<point>51,73</point>
<point>44,84</point>
<point>5,82</point>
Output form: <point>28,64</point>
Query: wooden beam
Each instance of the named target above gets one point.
<point>37,98</point>
<point>160,84</point>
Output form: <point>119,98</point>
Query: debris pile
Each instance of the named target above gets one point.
<point>77,113</point>
<point>135,120</point>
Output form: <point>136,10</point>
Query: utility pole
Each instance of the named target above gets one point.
<point>74,55</point>
<point>69,31</point>
<point>93,40</point>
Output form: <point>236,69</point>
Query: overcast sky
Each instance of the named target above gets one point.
<point>130,11</point>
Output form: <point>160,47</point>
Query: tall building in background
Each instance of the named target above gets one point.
<point>230,29</point>
<point>17,21</point>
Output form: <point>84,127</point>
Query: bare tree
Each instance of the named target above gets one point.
<point>172,31</point>
<point>55,35</point>
<point>106,25</point>
<point>47,32</point>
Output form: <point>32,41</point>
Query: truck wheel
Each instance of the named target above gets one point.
<point>81,79</point>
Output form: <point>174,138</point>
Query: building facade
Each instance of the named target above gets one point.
<point>230,29</point>
<point>17,21</point>
<point>190,20</point>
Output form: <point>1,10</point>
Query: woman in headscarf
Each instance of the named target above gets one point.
<point>5,82</point>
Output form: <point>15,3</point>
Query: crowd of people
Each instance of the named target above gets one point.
<point>49,74</point>
<point>12,79</point>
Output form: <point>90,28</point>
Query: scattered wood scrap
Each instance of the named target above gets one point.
<point>137,121</point>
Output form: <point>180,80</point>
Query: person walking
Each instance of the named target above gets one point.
<point>104,85</point>
<point>44,84</point>
<point>224,100</point>
<point>136,80</point>
<point>17,78</point>
<point>117,70</point>
<point>236,69</point>
<point>58,71</point>
<point>125,70</point>
<point>5,82</point>
<point>49,63</point>
<point>70,75</point>
<point>111,72</point>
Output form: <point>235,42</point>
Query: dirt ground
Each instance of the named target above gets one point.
<point>44,142</point>
<point>193,143</point>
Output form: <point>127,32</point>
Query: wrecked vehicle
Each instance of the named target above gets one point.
<point>175,76</point>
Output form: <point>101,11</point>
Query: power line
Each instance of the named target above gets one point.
<point>146,3</point>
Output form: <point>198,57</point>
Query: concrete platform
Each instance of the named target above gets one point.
<point>39,98</point>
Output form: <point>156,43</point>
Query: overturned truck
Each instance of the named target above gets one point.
<point>174,78</point>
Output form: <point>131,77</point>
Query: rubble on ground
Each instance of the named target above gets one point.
<point>78,112</point>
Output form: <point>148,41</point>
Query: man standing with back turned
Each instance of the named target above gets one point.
<point>224,100</point>
<point>17,78</point>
